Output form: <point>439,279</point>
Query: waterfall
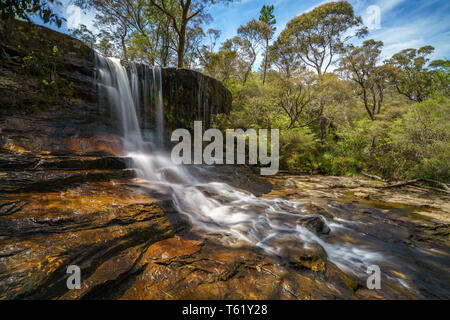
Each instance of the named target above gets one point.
<point>114,84</point>
<point>134,76</point>
<point>157,89</point>
<point>212,207</point>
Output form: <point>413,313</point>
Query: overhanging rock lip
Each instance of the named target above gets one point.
<point>220,105</point>
<point>200,74</point>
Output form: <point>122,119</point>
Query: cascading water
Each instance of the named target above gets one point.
<point>135,92</point>
<point>218,208</point>
<point>210,206</point>
<point>114,84</point>
<point>157,89</point>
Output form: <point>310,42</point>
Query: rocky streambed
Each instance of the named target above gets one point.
<point>131,243</point>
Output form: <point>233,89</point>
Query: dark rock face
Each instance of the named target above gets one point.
<point>50,102</point>
<point>190,95</point>
<point>48,95</point>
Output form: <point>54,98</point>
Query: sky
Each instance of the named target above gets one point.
<point>400,24</point>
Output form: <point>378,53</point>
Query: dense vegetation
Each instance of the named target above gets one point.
<point>340,108</point>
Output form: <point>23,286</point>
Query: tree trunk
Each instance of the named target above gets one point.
<point>380,99</point>
<point>181,44</point>
<point>180,52</point>
<point>124,49</point>
<point>247,73</point>
<point>182,34</point>
<point>265,61</point>
<point>366,105</point>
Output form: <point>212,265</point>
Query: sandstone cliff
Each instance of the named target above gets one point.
<point>50,103</point>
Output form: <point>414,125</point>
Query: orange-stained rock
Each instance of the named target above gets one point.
<point>110,270</point>
<point>111,144</point>
<point>174,247</point>
<point>130,243</point>
<point>103,227</point>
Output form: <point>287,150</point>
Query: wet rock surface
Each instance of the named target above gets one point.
<point>130,244</point>
<point>90,222</point>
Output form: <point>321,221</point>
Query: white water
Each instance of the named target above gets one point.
<point>214,207</point>
<point>157,89</point>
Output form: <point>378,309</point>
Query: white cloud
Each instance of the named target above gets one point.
<point>415,34</point>
<point>314,6</point>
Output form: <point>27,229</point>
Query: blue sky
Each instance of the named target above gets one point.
<point>403,23</point>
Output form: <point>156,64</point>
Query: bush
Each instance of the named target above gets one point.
<point>421,140</point>
<point>299,150</point>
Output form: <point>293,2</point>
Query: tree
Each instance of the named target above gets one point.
<point>297,99</point>
<point>181,13</point>
<point>317,36</point>
<point>266,16</point>
<point>105,46</point>
<point>223,64</point>
<point>84,34</point>
<point>205,51</point>
<point>411,77</point>
<point>194,38</point>
<point>421,140</point>
<point>248,43</point>
<point>136,26</point>
<point>441,78</point>
<point>285,59</point>
<point>359,64</point>
<point>23,9</point>
<point>333,97</point>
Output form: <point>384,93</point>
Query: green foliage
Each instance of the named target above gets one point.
<point>414,145</point>
<point>317,35</point>
<point>23,9</point>
<point>43,67</point>
<point>421,139</point>
<point>404,141</point>
<point>42,64</point>
<point>222,65</point>
<point>391,119</point>
<point>84,34</point>
<point>441,78</point>
<point>298,150</point>
<point>323,122</point>
<point>266,15</point>
<point>268,20</point>
<point>340,166</point>
<point>360,64</point>
<point>411,76</point>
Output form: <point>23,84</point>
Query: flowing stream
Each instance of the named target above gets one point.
<point>271,224</point>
